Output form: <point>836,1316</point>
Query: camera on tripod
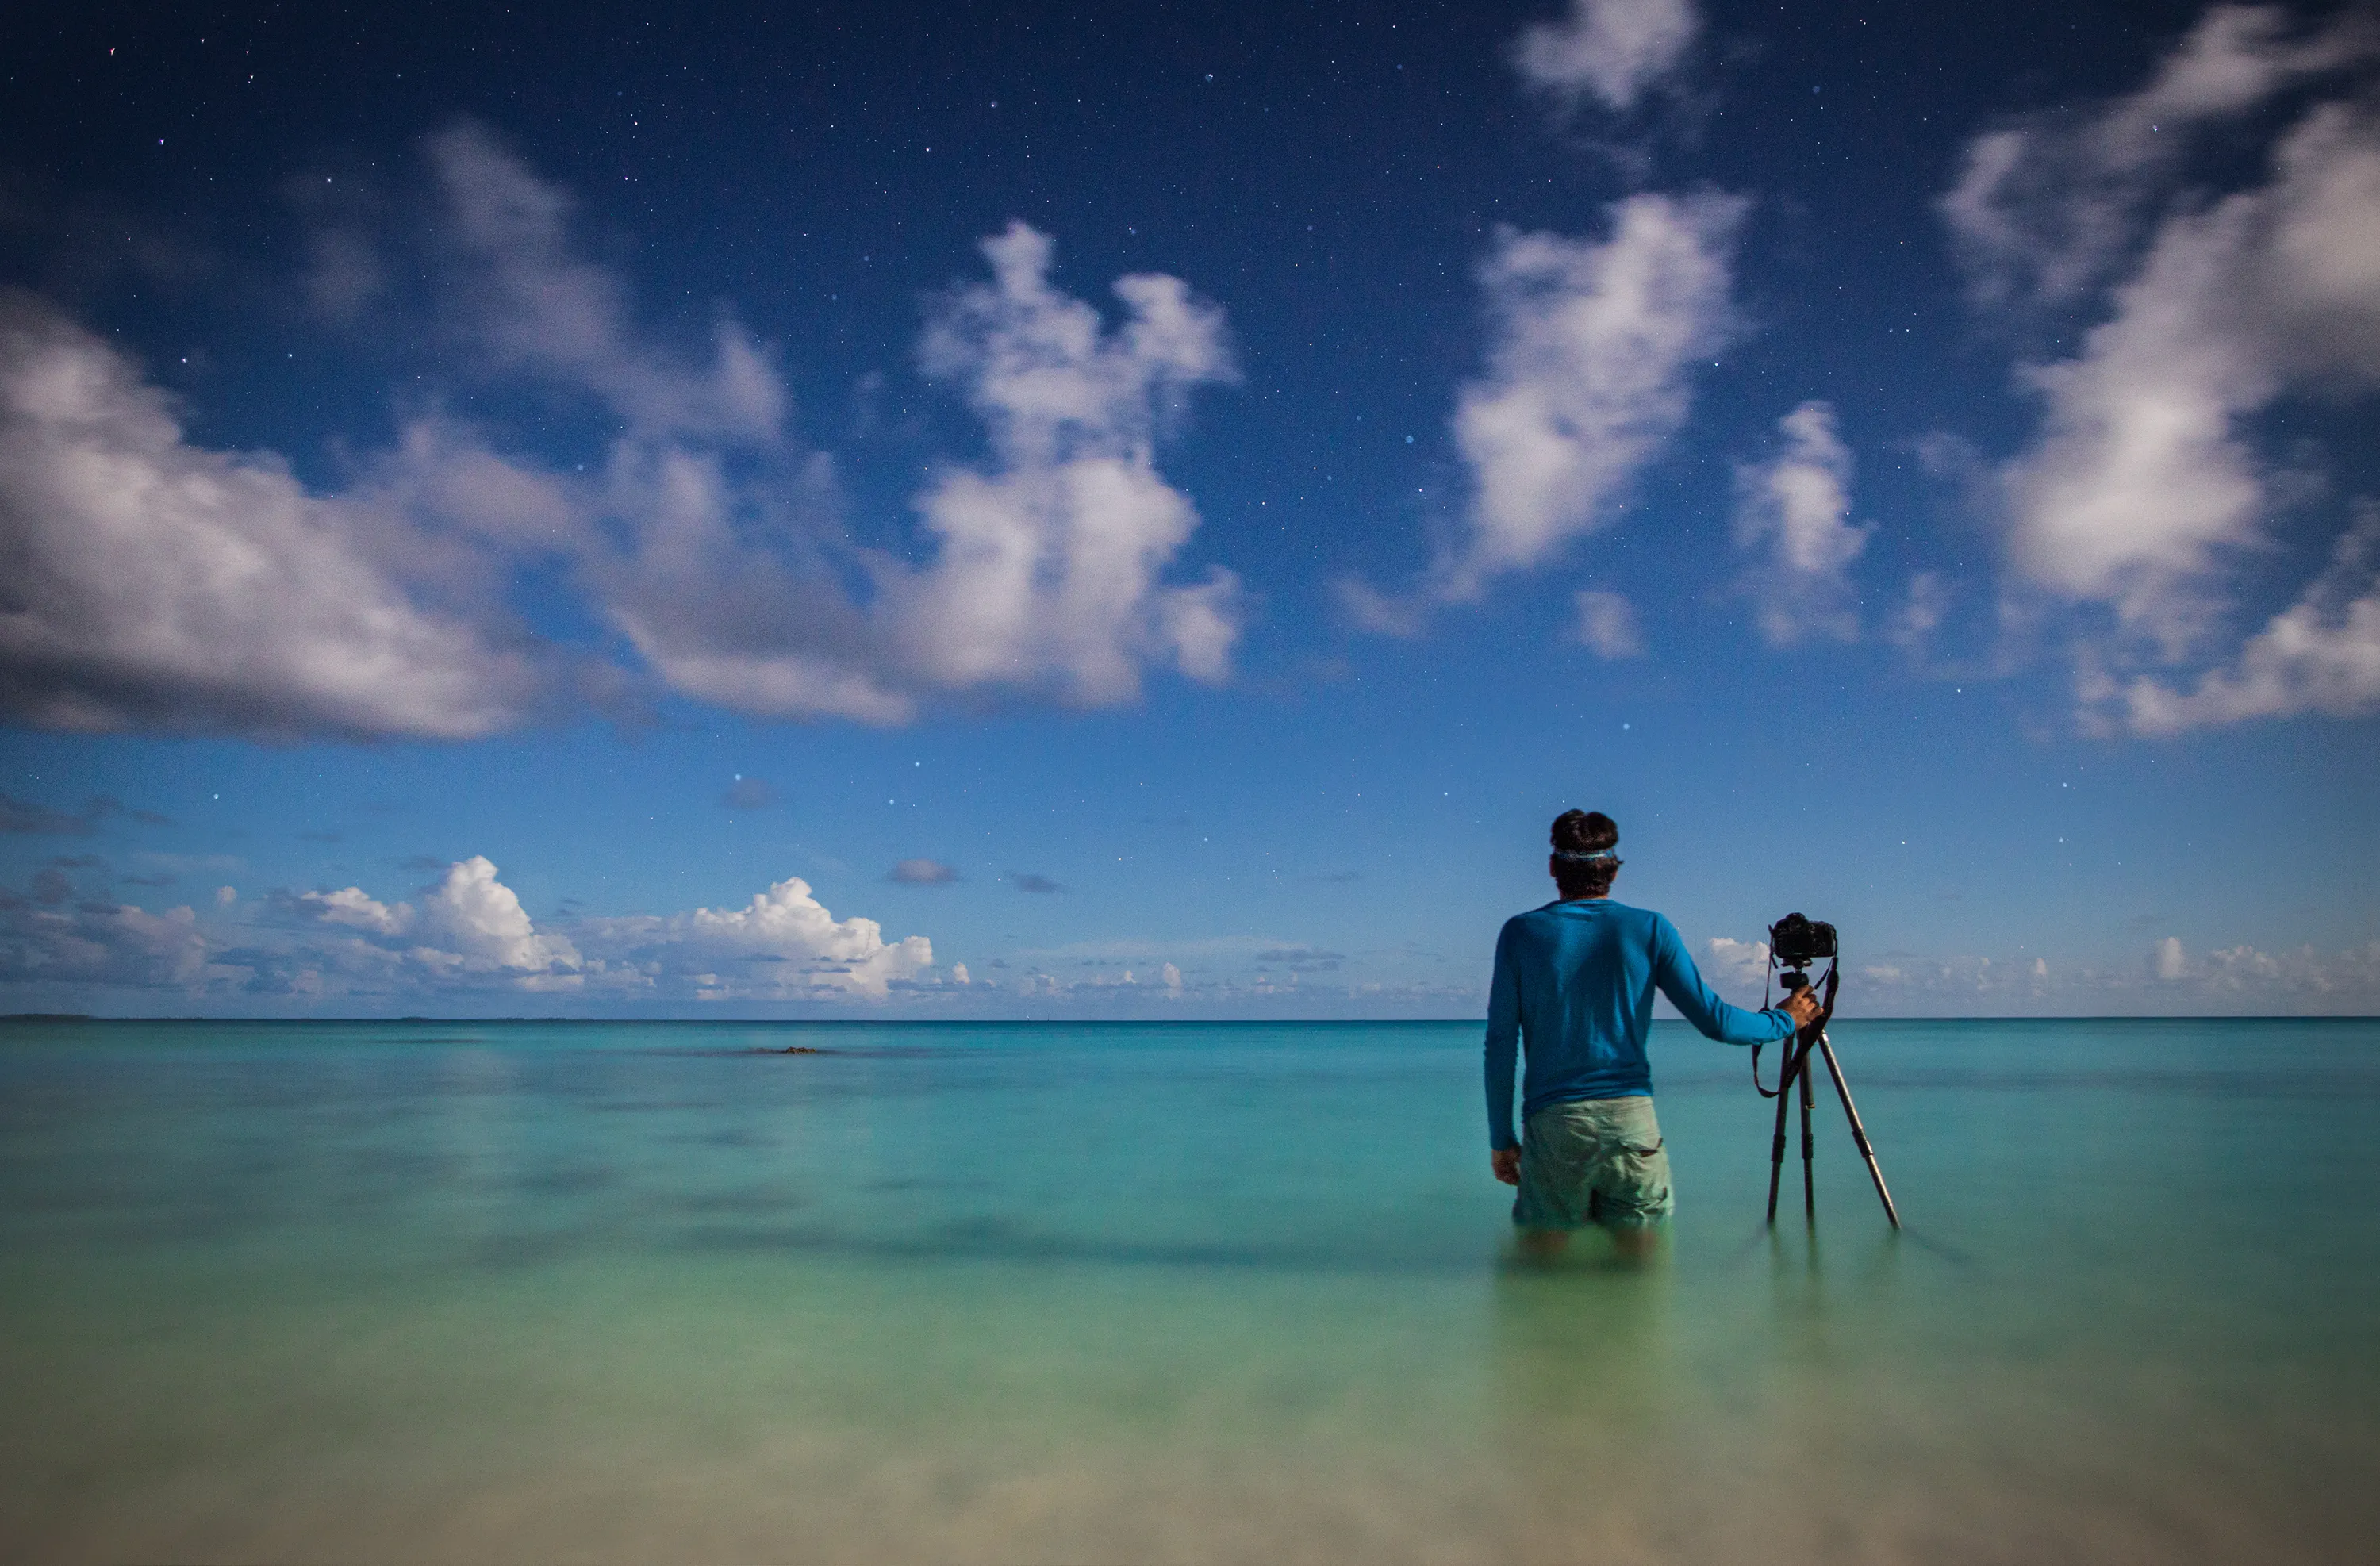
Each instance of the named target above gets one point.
<point>1795,943</point>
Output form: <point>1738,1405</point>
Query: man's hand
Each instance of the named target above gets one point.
<point>1802,1006</point>
<point>1506,1162</point>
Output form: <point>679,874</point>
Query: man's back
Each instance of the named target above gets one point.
<point>1577,980</point>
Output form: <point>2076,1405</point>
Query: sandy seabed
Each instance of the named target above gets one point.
<point>1555,1419</point>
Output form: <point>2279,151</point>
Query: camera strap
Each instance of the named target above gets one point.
<point>1795,1054</point>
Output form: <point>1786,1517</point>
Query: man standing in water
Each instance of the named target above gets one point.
<point>1576,980</point>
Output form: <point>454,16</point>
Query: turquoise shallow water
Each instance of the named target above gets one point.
<point>1102,1294</point>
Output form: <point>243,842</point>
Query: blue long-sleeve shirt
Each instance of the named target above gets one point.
<point>1577,980</point>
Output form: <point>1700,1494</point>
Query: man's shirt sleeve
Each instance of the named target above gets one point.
<point>1503,1042</point>
<point>1699,1004</point>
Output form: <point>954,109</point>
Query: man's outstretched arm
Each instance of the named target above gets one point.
<point>1714,1018</point>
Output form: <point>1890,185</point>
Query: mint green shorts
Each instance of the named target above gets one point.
<point>1593,1161</point>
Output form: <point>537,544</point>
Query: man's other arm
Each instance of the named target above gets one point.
<point>1700,1004</point>
<point>1503,1043</point>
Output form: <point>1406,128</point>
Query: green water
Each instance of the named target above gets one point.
<point>446,1292</point>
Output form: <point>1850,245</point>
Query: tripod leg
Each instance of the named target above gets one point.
<point>1809,1147</point>
<point>1784,1096</point>
<point>1858,1132</point>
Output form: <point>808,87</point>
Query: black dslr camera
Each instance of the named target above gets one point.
<point>1796,942</point>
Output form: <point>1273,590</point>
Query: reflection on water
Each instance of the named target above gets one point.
<point>1583,1379</point>
<point>347,1293</point>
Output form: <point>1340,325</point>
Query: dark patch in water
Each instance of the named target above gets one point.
<point>561,1181</point>
<point>997,1242</point>
<point>386,1164</point>
<point>731,1137</point>
<point>742,1202</point>
<point>839,1051</point>
<point>505,1251</point>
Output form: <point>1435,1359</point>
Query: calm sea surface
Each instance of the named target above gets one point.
<point>523,1293</point>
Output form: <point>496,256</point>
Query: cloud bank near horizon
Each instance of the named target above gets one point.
<point>465,937</point>
<point>2165,979</point>
<point>464,942</point>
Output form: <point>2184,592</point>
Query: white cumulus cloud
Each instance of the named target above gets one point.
<point>1612,50</point>
<point>1923,608</point>
<point>1049,563</point>
<point>468,933</point>
<point>352,907</point>
<point>2144,494</point>
<point>2142,479</point>
<point>1608,624</point>
<point>1045,572</point>
<point>156,584</point>
<point>469,923</point>
<point>538,306</point>
<point>1588,375</point>
<point>783,944</point>
<point>1738,965</point>
<point>478,919</point>
<point>1795,510</point>
<point>2047,208</point>
<point>101,944</point>
<point>2322,654</point>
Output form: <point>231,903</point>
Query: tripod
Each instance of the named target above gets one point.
<point>1797,1067</point>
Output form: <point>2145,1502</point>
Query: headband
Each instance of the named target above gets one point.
<point>1581,856</point>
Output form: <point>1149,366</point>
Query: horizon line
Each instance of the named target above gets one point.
<point>30,1018</point>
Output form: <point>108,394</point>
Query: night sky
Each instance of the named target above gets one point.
<point>1149,511</point>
